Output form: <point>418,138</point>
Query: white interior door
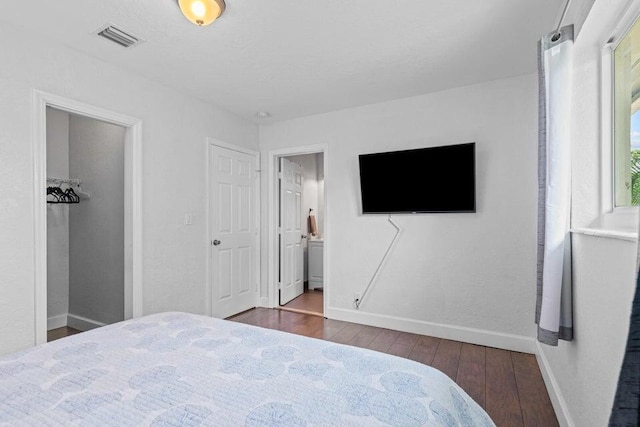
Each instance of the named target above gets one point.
<point>233,231</point>
<point>291,251</point>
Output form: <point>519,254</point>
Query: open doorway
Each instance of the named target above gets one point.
<point>92,164</point>
<point>301,211</point>
<point>85,234</point>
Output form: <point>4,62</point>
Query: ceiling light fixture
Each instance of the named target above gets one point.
<point>202,12</point>
<point>263,114</point>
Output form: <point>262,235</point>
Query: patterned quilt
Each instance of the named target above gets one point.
<point>178,369</point>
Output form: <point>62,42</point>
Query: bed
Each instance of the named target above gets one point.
<point>178,369</point>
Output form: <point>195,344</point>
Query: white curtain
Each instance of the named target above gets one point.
<point>554,300</point>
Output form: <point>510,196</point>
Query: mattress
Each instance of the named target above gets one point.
<point>178,369</point>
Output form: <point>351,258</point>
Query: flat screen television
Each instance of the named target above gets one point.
<point>425,180</point>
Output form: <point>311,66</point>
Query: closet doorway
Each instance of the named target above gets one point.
<point>88,253</point>
<point>299,203</point>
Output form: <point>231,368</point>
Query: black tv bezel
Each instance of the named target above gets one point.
<point>475,201</point>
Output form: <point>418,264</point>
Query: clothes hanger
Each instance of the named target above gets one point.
<point>62,197</point>
<point>51,196</point>
<point>57,194</point>
<point>71,196</point>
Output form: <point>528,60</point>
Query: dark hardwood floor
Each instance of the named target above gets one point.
<point>508,385</point>
<point>56,334</point>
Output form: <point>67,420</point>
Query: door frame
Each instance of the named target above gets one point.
<point>133,306</point>
<point>273,210</point>
<point>209,270</point>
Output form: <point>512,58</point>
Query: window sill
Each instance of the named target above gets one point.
<point>610,234</point>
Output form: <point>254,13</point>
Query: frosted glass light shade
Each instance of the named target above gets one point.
<point>202,12</point>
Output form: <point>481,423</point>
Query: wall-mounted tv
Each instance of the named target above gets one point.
<point>425,180</point>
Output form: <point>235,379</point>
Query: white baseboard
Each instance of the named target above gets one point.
<point>82,323</point>
<point>558,402</point>
<point>457,333</point>
<point>264,302</point>
<point>56,322</point>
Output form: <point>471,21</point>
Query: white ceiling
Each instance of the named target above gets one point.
<point>299,57</point>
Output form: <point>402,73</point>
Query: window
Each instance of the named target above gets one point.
<point>626,119</point>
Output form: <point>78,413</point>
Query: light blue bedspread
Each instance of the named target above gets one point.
<point>177,369</point>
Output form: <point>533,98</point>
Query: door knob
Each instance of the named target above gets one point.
<point>303,236</point>
<point>216,242</point>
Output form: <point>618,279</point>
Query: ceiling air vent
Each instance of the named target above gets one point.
<point>118,36</point>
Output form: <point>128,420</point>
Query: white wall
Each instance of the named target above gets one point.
<point>173,150</point>
<point>586,369</point>
<point>96,225</point>
<point>460,270</point>
<point>57,221</point>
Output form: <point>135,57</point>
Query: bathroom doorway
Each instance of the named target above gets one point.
<point>299,204</point>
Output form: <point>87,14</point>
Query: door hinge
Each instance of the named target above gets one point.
<point>279,230</point>
<point>279,175</point>
<point>279,285</point>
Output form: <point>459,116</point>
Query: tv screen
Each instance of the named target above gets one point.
<point>435,179</point>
